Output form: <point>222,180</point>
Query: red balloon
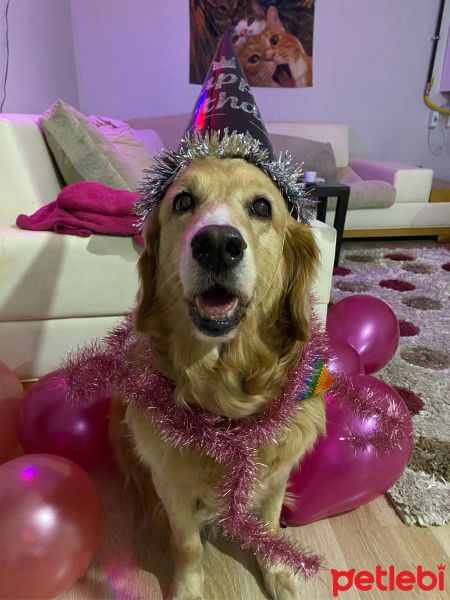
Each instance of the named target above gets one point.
<point>344,357</point>
<point>49,424</point>
<point>335,477</point>
<point>11,392</point>
<point>369,325</point>
<point>50,523</point>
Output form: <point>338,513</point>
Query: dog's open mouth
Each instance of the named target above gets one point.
<point>216,312</point>
<point>283,76</point>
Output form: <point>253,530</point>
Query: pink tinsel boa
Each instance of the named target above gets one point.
<point>106,365</point>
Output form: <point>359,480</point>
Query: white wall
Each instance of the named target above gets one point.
<point>42,59</point>
<point>441,161</point>
<point>132,59</point>
<point>370,65</point>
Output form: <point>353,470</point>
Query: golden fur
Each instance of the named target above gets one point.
<point>235,375</point>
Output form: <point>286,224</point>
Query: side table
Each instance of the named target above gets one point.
<point>323,191</point>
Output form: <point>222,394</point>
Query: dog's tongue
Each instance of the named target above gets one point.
<point>216,303</point>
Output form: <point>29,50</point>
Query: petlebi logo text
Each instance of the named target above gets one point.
<point>389,579</point>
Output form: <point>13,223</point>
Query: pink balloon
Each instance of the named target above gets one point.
<point>48,424</point>
<point>345,358</point>
<point>11,392</point>
<point>369,325</point>
<point>335,477</point>
<point>51,521</point>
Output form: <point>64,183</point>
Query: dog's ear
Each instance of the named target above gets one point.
<point>302,257</point>
<point>147,267</point>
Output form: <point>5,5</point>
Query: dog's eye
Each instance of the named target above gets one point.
<point>182,203</point>
<point>261,208</point>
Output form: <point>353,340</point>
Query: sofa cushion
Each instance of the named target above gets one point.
<point>314,156</point>
<point>136,149</point>
<point>348,176</point>
<point>52,276</point>
<point>412,184</point>
<point>151,140</point>
<point>368,194</point>
<point>82,152</point>
<point>335,133</point>
<point>170,128</point>
<point>34,348</point>
<point>415,216</point>
<point>29,178</point>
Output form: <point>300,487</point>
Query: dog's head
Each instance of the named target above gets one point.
<point>221,252</point>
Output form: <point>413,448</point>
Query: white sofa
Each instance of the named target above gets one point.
<point>411,213</point>
<point>59,291</point>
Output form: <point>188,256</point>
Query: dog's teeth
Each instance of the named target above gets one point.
<point>232,309</point>
<point>200,309</point>
<point>202,312</point>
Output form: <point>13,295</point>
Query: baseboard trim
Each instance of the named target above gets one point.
<point>400,232</point>
<point>27,383</point>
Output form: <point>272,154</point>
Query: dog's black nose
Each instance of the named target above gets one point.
<point>218,247</point>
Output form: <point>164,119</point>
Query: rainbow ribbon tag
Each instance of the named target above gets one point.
<point>320,381</point>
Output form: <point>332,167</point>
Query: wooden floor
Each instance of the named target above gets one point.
<point>134,559</point>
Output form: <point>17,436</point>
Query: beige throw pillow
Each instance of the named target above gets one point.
<point>127,142</point>
<point>349,176</point>
<point>82,152</point>
<point>315,156</point>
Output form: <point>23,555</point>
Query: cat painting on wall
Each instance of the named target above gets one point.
<point>247,28</point>
<point>279,34</point>
<point>274,58</point>
<point>229,12</point>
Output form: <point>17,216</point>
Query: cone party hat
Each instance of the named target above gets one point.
<point>226,123</point>
<point>226,101</point>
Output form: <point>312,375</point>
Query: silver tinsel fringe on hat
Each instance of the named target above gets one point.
<point>169,164</point>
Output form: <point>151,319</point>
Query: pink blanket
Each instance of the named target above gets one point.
<point>85,208</point>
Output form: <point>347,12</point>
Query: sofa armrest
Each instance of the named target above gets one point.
<point>325,237</point>
<point>412,184</point>
<point>29,177</point>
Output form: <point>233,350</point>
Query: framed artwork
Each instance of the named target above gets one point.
<point>272,38</point>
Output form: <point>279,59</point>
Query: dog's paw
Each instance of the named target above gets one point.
<point>280,586</point>
<point>188,585</point>
<point>183,594</point>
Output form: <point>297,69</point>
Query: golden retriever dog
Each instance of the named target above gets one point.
<point>224,305</point>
